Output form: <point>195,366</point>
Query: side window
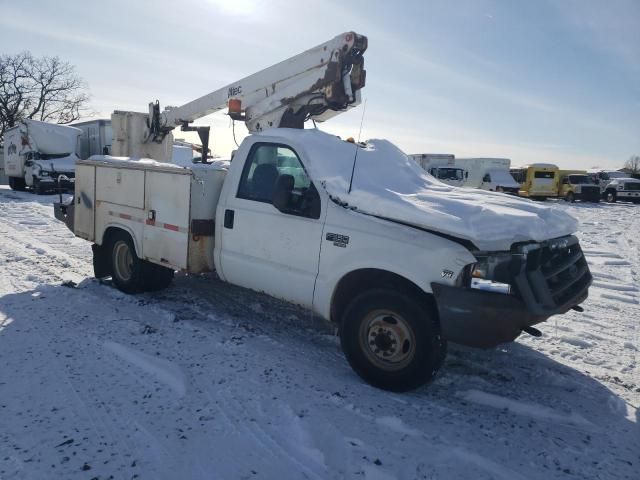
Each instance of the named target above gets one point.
<point>565,181</point>
<point>486,178</point>
<point>275,170</point>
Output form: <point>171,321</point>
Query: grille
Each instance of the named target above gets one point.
<point>591,192</point>
<point>557,275</point>
<point>632,186</point>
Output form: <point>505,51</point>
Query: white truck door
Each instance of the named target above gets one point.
<point>263,248</point>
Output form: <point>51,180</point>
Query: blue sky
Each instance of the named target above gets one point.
<point>551,81</point>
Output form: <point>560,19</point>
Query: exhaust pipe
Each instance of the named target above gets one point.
<point>532,331</point>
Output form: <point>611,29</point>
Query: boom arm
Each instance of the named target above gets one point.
<point>317,84</point>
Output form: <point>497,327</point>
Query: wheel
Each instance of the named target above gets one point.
<point>127,270</point>
<point>610,196</point>
<point>38,187</point>
<point>391,340</point>
<point>500,189</point>
<point>570,197</point>
<point>157,277</point>
<point>17,184</point>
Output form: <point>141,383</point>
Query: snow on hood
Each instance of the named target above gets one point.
<point>387,183</point>
<point>65,164</point>
<point>503,178</point>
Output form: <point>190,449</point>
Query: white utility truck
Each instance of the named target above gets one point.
<point>40,155</point>
<point>622,190</point>
<point>489,174</point>
<point>441,166</point>
<point>358,233</point>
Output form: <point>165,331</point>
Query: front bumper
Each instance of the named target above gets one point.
<point>53,182</point>
<point>588,195</point>
<point>547,280</point>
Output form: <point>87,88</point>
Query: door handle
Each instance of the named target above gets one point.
<point>228,218</point>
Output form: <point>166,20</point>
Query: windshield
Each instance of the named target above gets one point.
<point>450,173</point>
<point>579,179</point>
<point>502,177</point>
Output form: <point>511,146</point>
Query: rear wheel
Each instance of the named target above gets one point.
<point>391,340</point>
<point>17,184</point>
<point>127,270</point>
<point>157,277</point>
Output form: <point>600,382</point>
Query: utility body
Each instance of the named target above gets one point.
<point>358,233</point>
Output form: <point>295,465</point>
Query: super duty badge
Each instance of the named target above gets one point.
<point>338,240</point>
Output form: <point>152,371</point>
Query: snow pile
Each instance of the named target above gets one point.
<point>149,162</point>
<point>388,184</point>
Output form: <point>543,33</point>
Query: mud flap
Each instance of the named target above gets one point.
<point>101,264</point>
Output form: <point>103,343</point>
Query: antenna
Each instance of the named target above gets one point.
<point>355,158</point>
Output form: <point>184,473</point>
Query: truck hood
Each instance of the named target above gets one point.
<point>60,165</point>
<point>503,178</point>
<point>386,183</point>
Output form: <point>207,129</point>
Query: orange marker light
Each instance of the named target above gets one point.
<point>235,105</point>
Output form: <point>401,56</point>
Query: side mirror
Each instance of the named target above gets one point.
<point>282,192</point>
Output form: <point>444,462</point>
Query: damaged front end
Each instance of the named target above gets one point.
<point>506,293</point>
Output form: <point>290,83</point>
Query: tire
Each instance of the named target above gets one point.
<point>38,188</point>
<point>127,270</point>
<point>17,184</point>
<point>157,277</point>
<point>610,196</point>
<point>570,197</point>
<point>376,324</point>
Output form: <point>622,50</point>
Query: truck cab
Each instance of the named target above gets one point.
<point>539,181</point>
<point>578,185</point>
<point>622,189</point>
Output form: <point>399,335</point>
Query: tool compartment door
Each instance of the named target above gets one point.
<point>85,199</point>
<point>166,229</point>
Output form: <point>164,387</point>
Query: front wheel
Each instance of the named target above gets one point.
<point>391,340</point>
<point>17,184</point>
<point>610,196</point>
<point>570,198</point>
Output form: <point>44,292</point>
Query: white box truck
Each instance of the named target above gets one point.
<point>358,233</point>
<point>40,155</point>
<point>441,166</point>
<point>488,174</point>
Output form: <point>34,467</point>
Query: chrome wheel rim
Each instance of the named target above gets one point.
<point>387,340</point>
<point>609,197</point>
<point>123,260</point>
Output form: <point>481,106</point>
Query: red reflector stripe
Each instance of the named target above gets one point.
<point>168,226</point>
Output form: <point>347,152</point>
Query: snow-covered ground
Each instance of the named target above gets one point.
<point>209,381</point>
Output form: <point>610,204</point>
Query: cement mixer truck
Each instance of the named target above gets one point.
<point>40,156</point>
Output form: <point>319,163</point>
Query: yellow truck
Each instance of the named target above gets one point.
<point>577,185</point>
<point>538,181</point>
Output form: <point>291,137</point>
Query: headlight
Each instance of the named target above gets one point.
<point>492,273</point>
<point>620,187</point>
<point>44,173</point>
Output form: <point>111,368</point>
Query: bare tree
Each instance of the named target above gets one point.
<point>45,88</point>
<point>633,165</point>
